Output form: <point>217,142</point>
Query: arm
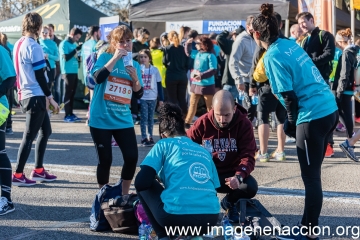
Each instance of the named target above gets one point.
<point>291,106</point>
<point>165,58</point>
<point>55,53</point>
<point>234,61</point>
<point>344,73</point>
<point>145,178</point>
<point>329,50</point>
<point>101,75</point>
<point>246,150</point>
<point>225,44</point>
<point>6,85</point>
<point>159,86</point>
<point>212,67</point>
<point>41,79</point>
<point>196,132</point>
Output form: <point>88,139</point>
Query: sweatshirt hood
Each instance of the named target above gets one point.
<point>163,34</point>
<point>353,49</point>
<point>240,115</point>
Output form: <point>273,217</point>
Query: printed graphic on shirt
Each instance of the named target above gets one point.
<point>147,79</point>
<point>220,146</point>
<point>199,173</point>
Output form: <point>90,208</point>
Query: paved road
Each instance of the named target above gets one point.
<point>60,210</point>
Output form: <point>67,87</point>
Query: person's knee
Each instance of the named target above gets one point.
<point>252,186</point>
<point>263,118</point>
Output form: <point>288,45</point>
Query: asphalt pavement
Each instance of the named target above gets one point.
<point>61,209</point>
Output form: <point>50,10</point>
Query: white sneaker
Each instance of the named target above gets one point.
<point>290,140</point>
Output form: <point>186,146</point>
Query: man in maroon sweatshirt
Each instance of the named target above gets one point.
<point>228,135</point>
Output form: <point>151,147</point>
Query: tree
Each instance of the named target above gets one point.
<point>13,8</point>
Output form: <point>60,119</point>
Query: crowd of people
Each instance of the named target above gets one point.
<point>239,76</point>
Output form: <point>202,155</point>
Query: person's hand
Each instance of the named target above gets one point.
<point>132,72</point>
<point>290,128</point>
<point>252,91</point>
<point>78,48</point>
<point>190,40</point>
<point>241,87</point>
<point>161,103</point>
<point>198,78</point>
<point>55,105</point>
<point>232,182</point>
<point>119,53</point>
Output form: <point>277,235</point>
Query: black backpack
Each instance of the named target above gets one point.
<point>253,214</point>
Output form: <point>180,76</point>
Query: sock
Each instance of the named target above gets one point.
<point>18,175</point>
<point>39,170</point>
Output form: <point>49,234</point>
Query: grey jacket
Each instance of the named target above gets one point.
<point>241,56</point>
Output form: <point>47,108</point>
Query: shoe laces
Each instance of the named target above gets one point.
<point>3,202</point>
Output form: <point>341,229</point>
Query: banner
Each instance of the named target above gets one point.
<point>219,26</point>
<point>321,10</point>
<point>107,24</point>
<point>355,4</point>
<point>175,26</point>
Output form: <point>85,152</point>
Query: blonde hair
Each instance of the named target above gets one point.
<point>116,35</point>
<point>173,36</point>
<point>344,35</point>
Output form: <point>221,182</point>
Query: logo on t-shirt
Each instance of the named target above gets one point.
<point>222,156</point>
<point>316,73</point>
<point>199,173</point>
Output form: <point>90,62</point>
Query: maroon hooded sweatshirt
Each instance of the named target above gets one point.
<point>233,147</point>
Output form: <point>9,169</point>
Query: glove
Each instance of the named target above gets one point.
<point>290,128</point>
<point>78,48</point>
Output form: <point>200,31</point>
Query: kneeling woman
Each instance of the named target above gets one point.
<point>189,176</point>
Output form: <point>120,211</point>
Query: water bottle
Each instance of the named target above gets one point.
<point>241,95</point>
<point>255,99</point>
<point>228,234</point>
<point>143,231</point>
<point>242,236</point>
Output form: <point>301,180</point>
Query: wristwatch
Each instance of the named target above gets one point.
<point>239,177</point>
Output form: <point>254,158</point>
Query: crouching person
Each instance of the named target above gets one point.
<point>228,135</point>
<point>188,198</point>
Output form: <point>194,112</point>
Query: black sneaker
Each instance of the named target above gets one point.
<point>232,212</point>
<point>151,142</point>
<point>9,131</point>
<point>145,143</point>
<point>348,150</point>
<point>6,206</point>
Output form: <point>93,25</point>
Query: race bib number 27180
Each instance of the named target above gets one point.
<point>118,90</point>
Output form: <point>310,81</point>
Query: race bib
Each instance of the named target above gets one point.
<point>118,90</point>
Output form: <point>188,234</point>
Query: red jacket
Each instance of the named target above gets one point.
<point>233,148</point>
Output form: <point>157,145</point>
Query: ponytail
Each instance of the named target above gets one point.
<point>174,37</point>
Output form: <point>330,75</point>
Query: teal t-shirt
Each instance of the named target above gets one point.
<point>50,48</point>
<point>6,70</point>
<point>217,50</point>
<point>87,48</point>
<point>72,65</point>
<point>289,68</point>
<point>203,62</point>
<point>106,114</point>
<point>189,176</point>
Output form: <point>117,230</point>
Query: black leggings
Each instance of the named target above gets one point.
<point>37,120</point>
<point>176,93</point>
<point>126,139</point>
<point>159,219</point>
<point>10,98</point>
<point>51,77</point>
<point>311,143</point>
<point>5,167</point>
<point>345,113</point>
<point>248,188</point>
<point>71,81</point>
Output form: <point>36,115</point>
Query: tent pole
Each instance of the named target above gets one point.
<point>287,27</point>
<point>353,21</point>
<point>334,16</point>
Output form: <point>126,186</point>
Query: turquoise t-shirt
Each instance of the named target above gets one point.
<point>6,70</point>
<point>189,176</point>
<point>203,62</point>
<point>72,65</point>
<point>288,67</point>
<point>105,114</point>
<point>11,47</point>
<point>217,50</point>
<point>86,50</point>
<point>49,47</point>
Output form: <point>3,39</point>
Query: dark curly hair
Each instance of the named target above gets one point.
<point>171,120</point>
<point>31,23</point>
<point>266,24</point>
<point>206,44</point>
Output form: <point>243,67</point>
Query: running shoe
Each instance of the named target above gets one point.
<point>9,131</point>
<point>145,143</point>
<point>233,213</point>
<point>76,118</point>
<point>44,176</point>
<point>290,140</point>
<point>348,150</point>
<point>69,119</point>
<point>329,151</point>
<point>114,143</point>
<point>6,206</point>
<point>264,157</point>
<point>278,156</point>
<point>340,128</point>
<point>22,181</point>
<point>151,142</point>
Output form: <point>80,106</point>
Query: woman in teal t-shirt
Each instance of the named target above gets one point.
<point>117,78</point>
<point>202,77</point>
<point>189,176</point>
<point>310,105</point>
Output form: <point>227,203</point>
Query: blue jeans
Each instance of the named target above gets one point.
<point>147,110</point>
<point>233,90</point>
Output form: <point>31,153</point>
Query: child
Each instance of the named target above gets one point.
<point>152,89</point>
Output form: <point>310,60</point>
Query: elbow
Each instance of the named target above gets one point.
<point>139,94</point>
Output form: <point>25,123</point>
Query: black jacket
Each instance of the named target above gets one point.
<point>344,75</point>
<point>176,63</point>
<point>225,45</point>
<point>136,48</point>
<point>321,52</point>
